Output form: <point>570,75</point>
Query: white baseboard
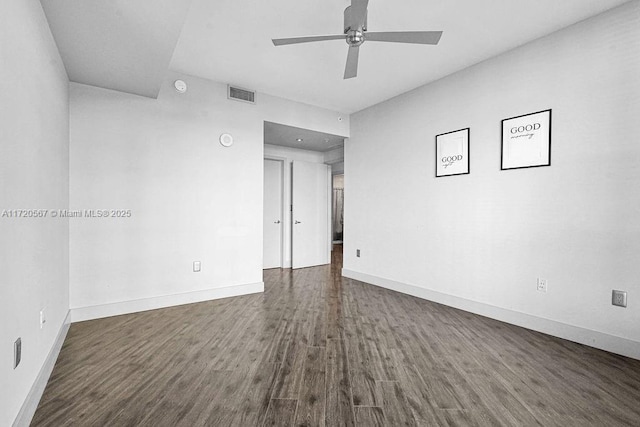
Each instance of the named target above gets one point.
<point>600,340</point>
<point>79,314</point>
<point>28,409</point>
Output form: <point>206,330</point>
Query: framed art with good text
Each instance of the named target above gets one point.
<point>526,141</point>
<point>452,153</point>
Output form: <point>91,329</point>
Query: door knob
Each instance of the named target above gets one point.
<point>276,222</point>
<point>297,222</point>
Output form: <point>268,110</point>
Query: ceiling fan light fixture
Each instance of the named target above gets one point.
<point>355,38</point>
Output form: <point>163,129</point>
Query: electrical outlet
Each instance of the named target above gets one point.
<point>17,352</point>
<point>43,319</point>
<point>619,298</point>
<point>542,285</point>
<point>358,253</point>
<point>196,266</point>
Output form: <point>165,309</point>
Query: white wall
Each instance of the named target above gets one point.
<point>337,168</point>
<point>190,198</point>
<point>288,155</point>
<point>487,236</point>
<point>335,158</point>
<point>34,167</point>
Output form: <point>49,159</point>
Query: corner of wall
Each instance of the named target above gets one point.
<point>28,409</point>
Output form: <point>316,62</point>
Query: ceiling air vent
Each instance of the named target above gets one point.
<point>240,94</point>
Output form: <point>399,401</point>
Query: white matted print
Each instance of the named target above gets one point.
<point>526,141</point>
<point>452,153</point>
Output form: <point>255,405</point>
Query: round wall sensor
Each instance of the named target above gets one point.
<point>226,140</point>
<point>180,86</point>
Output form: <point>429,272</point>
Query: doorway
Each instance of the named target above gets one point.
<point>337,214</point>
<point>272,216</point>
<point>308,158</point>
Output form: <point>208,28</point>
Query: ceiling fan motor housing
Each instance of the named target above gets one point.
<point>355,38</point>
<point>350,23</point>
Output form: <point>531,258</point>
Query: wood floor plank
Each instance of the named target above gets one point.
<point>318,331</point>
<point>207,403</point>
<point>363,387</point>
<point>291,371</point>
<point>369,416</point>
<point>339,392</point>
<point>281,412</point>
<point>312,401</point>
<point>394,404</point>
<point>417,394</point>
<point>320,349</point>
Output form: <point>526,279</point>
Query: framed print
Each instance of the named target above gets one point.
<point>452,153</point>
<point>526,141</point>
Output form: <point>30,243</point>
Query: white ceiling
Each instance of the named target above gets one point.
<point>230,41</point>
<point>127,44</point>
<point>124,45</point>
<point>287,136</point>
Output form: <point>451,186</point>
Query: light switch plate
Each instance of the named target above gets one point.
<point>196,266</point>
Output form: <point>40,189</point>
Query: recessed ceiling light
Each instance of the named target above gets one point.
<point>299,139</point>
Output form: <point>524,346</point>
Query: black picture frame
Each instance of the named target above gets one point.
<point>529,139</point>
<point>461,165</point>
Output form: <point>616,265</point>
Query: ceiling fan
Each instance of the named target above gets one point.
<point>355,33</point>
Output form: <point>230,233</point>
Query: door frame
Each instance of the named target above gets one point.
<point>333,175</point>
<point>282,161</point>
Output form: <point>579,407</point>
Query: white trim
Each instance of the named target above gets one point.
<point>28,409</point>
<point>80,314</point>
<point>600,340</point>
<point>329,214</point>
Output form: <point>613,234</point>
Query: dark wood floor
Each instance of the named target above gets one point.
<point>318,349</point>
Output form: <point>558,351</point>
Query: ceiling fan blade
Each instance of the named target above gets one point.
<point>419,37</point>
<point>351,70</point>
<point>359,11</point>
<point>294,40</point>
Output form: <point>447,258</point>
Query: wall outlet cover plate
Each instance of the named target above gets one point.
<point>619,298</point>
<point>542,285</point>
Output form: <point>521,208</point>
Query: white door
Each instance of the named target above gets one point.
<point>272,229</point>
<point>311,214</point>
